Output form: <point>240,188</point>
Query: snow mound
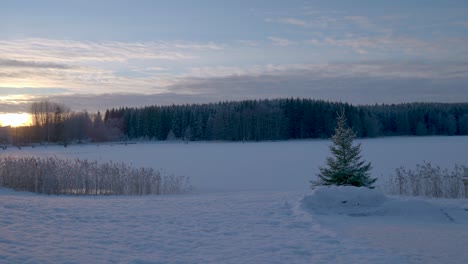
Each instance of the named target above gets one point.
<point>364,202</point>
<point>343,200</point>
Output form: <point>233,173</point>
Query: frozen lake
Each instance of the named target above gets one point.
<point>288,165</point>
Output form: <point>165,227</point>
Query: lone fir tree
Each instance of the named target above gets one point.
<point>345,167</point>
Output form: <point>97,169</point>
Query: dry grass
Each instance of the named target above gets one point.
<point>429,181</point>
<point>84,177</point>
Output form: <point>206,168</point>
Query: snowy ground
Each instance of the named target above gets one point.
<point>415,230</point>
<point>231,227</point>
<point>256,221</point>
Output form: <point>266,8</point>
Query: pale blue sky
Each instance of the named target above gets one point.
<point>136,53</point>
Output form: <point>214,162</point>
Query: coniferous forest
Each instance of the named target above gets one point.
<point>250,120</point>
<point>282,119</point>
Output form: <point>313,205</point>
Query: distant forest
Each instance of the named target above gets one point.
<point>251,120</point>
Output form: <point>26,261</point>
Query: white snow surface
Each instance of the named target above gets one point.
<point>232,227</point>
<point>418,230</point>
<point>253,205</point>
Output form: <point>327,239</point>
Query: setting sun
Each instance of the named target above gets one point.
<point>15,119</point>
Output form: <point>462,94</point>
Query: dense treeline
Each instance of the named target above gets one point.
<point>282,119</point>
<point>252,120</point>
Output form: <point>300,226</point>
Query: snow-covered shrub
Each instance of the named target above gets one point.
<point>429,180</point>
<point>84,177</point>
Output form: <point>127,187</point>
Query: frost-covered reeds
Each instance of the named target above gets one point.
<point>429,181</point>
<point>83,177</point>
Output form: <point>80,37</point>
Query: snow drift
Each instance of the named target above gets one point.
<point>343,200</point>
<point>365,202</point>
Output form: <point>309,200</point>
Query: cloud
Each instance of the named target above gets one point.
<point>101,102</point>
<point>152,69</point>
<point>354,90</point>
<point>95,67</point>
<point>313,41</point>
<point>293,21</point>
<point>100,75</point>
<point>281,41</point>
<point>194,46</point>
<point>319,21</point>
<point>15,104</point>
<point>88,79</point>
<point>250,43</point>
<point>379,69</point>
<point>361,21</point>
<point>32,64</point>
<point>389,44</point>
<point>62,51</point>
<point>31,91</point>
<point>357,83</point>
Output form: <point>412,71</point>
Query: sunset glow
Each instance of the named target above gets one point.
<point>15,119</point>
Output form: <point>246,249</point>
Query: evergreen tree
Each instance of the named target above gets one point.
<point>345,167</point>
<point>171,136</point>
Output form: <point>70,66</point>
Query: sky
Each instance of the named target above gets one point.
<point>95,55</point>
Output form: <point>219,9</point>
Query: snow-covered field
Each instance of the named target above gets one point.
<point>277,166</point>
<point>253,205</point>
<point>231,227</point>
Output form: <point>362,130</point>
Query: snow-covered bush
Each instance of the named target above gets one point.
<point>429,180</point>
<point>84,177</point>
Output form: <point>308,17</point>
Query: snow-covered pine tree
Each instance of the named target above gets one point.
<point>345,167</point>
